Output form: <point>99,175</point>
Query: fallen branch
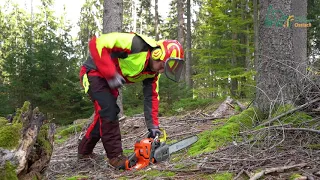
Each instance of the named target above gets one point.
<point>268,127</point>
<point>239,174</point>
<point>299,129</point>
<point>275,169</point>
<point>203,119</point>
<point>290,112</point>
<point>177,170</point>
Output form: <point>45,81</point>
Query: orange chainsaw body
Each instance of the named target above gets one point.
<point>141,156</point>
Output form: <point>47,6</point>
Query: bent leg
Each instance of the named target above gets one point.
<point>106,101</point>
<point>109,124</point>
<point>91,137</point>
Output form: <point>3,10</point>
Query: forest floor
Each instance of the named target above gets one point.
<point>278,154</point>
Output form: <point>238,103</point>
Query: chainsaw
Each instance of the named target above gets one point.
<point>149,150</point>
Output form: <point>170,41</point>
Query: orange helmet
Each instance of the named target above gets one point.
<point>171,52</point>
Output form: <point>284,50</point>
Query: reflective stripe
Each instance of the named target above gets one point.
<point>157,89</point>
<point>85,83</point>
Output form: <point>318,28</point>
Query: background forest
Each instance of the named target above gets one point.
<point>40,58</point>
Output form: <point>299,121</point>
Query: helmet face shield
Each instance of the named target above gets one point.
<point>173,68</point>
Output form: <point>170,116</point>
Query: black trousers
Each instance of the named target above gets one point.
<point>105,124</point>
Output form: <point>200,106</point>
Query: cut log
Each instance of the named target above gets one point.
<point>225,109</point>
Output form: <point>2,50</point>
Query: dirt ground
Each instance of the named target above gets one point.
<point>276,154</point>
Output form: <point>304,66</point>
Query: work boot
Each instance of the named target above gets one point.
<point>87,156</point>
<point>118,162</point>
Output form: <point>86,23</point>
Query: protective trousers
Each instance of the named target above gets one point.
<point>105,124</point>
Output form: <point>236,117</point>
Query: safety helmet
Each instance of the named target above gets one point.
<point>171,52</point>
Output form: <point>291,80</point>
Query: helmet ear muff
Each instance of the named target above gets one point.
<point>156,54</point>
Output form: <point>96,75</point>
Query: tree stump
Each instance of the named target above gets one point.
<point>30,147</point>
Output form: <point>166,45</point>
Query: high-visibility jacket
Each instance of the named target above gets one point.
<point>128,54</point>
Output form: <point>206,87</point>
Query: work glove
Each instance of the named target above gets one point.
<point>154,132</point>
<point>116,82</point>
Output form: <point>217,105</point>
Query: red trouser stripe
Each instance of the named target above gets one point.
<point>95,119</point>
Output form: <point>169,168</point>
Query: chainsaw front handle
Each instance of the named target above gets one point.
<point>164,135</point>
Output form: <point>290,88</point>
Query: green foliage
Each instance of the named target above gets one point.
<point>91,13</point>
<point>38,63</point>
<point>171,93</point>
<point>133,99</point>
<point>212,139</point>
<point>223,61</point>
<point>9,135</point>
<point>4,99</point>
<point>147,25</point>
<point>313,33</point>
<point>8,173</point>
<point>20,111</point>
<point>191,103</point>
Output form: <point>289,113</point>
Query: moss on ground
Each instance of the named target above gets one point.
<point>176,157</point>
<point>294,176</point>
<point>77,178</point>
<point>295,118</point>
<point>43,140</point>
<point>64,132</point>
<point>218,176</point>
<point>314,146</point>
<point>3,121</point>
<point>20,111</point>
<point>128,152</point>
<point>8,173</point>
<point>10,135</point>
<point>211,140</point>
<point>155,173</point>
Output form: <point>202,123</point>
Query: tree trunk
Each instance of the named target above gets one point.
<point>156,24</point>
<point>112,22</point>
<point>234,59</point>
<point>188,49</point>
<point>134,15</point>
<point>282,54</point>
<point>112,16</point>
<point>256,29</point>
<point>180,21</point>
<point>180,10</point>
